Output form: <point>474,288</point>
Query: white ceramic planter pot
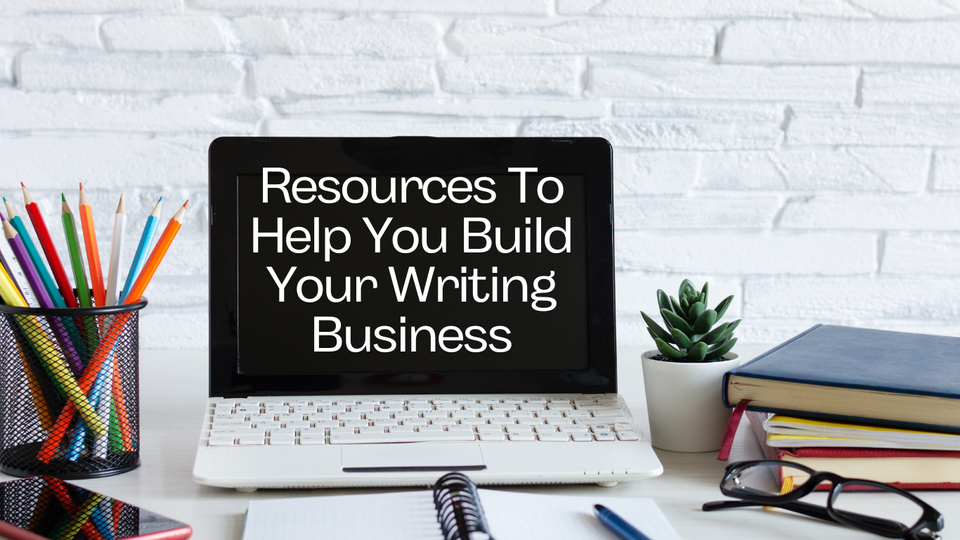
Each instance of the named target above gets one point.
<point>684,403</point>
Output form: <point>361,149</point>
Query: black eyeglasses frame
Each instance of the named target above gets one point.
<point>931,520</point>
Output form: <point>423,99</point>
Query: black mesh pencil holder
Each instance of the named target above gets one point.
<point>70,391</point>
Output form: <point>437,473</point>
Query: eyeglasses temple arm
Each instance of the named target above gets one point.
<point>795,506</point>
<point>807,510</point>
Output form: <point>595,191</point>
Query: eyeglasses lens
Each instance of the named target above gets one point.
<point>766,479</point>
<point>863,503</point>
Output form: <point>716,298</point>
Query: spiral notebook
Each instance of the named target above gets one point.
<point>446,511</point>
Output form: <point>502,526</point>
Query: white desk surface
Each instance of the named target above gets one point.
<point>174,392</point>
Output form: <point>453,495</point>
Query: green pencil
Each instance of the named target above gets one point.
<point>79,272</point>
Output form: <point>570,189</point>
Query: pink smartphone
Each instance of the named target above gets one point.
<point>46,508</point>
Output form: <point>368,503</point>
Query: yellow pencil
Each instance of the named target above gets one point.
<point>39,401</point>
<point>10,293</point>
<point>82,516</point>
<point>54,362</point>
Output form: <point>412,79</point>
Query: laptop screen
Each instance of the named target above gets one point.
<point>362,258</point>
<point>418,272</point>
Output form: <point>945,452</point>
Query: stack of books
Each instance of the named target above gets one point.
<point>861,403</point>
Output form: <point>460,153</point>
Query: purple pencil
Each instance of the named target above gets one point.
<point>33,278</point>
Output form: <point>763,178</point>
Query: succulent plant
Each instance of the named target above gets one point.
<point>690,335</point>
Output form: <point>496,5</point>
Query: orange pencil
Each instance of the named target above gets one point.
<point>93,254</point>
<point>110,335</point>
<point>159,250</point>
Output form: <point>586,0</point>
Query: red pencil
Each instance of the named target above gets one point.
<point>43,235</point>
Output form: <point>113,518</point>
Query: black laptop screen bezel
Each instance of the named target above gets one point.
<point>231,157</point>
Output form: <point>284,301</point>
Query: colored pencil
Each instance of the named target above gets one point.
<point>143,247</point>
<point>39,400</point>
<point>43,235</point>
<point>159,250</point>
<point>66,501</point>
<point>76,258</point>
<point>109,338</point>
<point>58,368</point>
<point>114,437</point>
<point>93,254</point>
<point>101,518</point>
<point>97,397</point>
<point>87,325</point>
<point>39,511</point>
<point>82,517</point>
<point>116,251</point>
<point>120,405</point>
<point>33,279</point>
<point>103,406</point>
<point>48,283</point>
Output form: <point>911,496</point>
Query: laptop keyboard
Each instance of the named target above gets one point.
<point>316,421</point>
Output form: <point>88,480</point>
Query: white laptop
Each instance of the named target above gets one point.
<point>386,310</point>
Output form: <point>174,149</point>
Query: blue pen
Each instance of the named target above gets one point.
<point>617,524</point>
<point>143,249</point>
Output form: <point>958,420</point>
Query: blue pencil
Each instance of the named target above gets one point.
<point>143,249</point>
<point>96,396</point>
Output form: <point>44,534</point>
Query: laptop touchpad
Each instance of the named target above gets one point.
<point>412,457</point>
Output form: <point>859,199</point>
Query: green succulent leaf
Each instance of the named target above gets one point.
<point>697,353</point>
<point>652,334</point>
<point>722,306</point>
<point>705,322</point>
<point>681,339</point>
<point>655,330</point>
<point>703,294</point>
<point>675,306</point>
<point>663,300</point>
<point>684,304</point>
<point>714,336</point>
<point>729,331</point>
<point>687,288</point>
<point>668,351</point>
<point>675,321</point>
<point>721,350</point>
<point>694,313</point>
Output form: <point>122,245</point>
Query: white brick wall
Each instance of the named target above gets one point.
<point>801,155</point>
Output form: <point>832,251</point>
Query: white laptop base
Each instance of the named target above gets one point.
<point>364,441</point>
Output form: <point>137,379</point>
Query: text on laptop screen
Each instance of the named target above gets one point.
<point>415,272</point>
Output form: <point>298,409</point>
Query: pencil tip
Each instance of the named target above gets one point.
<point>161,198</point>
<point>63,197</point>
<point>185,204</point>
<point>81,185</point>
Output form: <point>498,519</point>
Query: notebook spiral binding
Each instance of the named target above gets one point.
<point>458,508</point>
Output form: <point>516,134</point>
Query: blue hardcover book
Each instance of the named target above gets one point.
<point>856,374</point>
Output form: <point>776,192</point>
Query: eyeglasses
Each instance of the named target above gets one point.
<point>781,484</point>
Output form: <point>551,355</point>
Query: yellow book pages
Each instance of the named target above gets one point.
<point>790,431</point>
<point>796,423</point>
